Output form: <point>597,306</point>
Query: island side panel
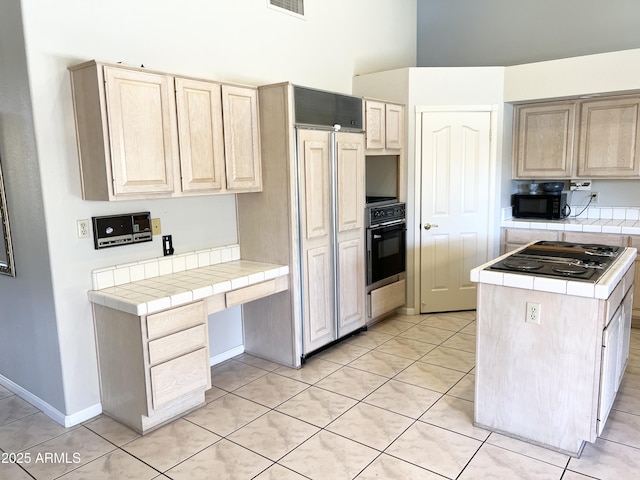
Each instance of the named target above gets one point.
<point>538,382</point>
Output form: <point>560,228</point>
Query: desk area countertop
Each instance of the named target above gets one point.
<point>149,286</point>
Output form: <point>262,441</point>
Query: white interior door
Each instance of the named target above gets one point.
<point>455,211</point>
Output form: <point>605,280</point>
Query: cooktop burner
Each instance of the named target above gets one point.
<point>582,262</point>
<point>522,264</point>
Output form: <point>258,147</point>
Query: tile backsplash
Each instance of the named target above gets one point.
<point>616,220</point>
<point>603,213</point>
<point>145,269</point>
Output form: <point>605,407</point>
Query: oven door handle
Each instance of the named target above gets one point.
<point>377,237</point>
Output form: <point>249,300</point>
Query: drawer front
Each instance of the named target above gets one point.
<point>524,236</point>
<point>614,300</point>
<point>259,290</point>
<point>174,320</point>
<point>634,241</point>
<point>183,375</point>
<point>176,344</point>
<point>387,298</point>
<point>602,238</point>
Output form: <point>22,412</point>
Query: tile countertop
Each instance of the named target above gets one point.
<point>601,289</point>
<point>153,285</point>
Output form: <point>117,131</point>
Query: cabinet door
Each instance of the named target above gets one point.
<point>609,134</point>
<point>394,131</point>
<point>241,138</point>
<point>180,376</point>
<point>609,368</point>
<point>351,297</point>
<point>544,140</point>
<point>350,182</point>
<point>350,231</point>
<point>625,332</point>
<point>636,290</point>
<point>199,109</point>
<point>141,114</point>
<point>319,324</point>
<point>375,125</point>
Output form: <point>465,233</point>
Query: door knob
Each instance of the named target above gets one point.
<point>427,226</point>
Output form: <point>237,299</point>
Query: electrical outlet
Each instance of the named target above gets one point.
<point>595,197</point>
<point>83,228</point>
<point>533,313</point>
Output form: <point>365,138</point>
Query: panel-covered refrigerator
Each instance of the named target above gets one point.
<point>310,216</point>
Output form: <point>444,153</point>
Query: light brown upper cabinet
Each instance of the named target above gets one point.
<point>199,107</point>
<point>384,125</point>
<point>241,138</point>
<point>144,134</point>
<point>577,139</point>
<point>544,136</point>
<point>609,135</point>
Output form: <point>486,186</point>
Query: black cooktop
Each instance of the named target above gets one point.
<point>571,261</point>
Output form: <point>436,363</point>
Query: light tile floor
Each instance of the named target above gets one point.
<point>395,402</point>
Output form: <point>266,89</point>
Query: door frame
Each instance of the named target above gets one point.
<point>494,195</point>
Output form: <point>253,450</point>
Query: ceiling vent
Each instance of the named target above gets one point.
<point>294,6</point>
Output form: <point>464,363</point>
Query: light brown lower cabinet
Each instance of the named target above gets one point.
<point>513,238</point>
<point>560,393</point>
<point>153,368</point>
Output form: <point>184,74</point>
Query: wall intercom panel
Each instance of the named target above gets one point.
<point>118,230</point>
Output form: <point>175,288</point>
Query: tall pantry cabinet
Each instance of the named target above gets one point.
<point>310,215</point>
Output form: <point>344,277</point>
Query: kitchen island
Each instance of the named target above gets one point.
<point>551,352</point>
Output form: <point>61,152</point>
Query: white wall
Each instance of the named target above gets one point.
<point>242,42</point>
<point>570,77</point>
<point>29,350</point>
<point>467,33</point>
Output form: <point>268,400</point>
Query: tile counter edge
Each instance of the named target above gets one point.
<point>601,289</point>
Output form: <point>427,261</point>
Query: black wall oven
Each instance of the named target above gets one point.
<point>386,241</point>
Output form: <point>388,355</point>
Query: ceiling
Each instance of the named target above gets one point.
<point>460,33</point>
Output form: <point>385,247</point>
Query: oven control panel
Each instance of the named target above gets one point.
<point>385,214</point>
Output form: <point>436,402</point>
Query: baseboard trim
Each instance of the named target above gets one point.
<point>50,411</point>
<point>406,311</point>
<point>221,357</point>
<point>94,410</point>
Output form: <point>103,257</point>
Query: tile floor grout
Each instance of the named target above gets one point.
<point>380,454</point>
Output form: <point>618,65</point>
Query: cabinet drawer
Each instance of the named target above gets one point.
<point>523,236</point>
<point>176,344</point>
<point>614,300</point>
<point>602,238</point>
<point>174,320</point>
<point>634,241</point>
<point>254,292</point>
<point>387,298</point>
<point>183,375</point>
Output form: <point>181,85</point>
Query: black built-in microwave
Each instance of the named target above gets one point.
<point>551,206</point>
